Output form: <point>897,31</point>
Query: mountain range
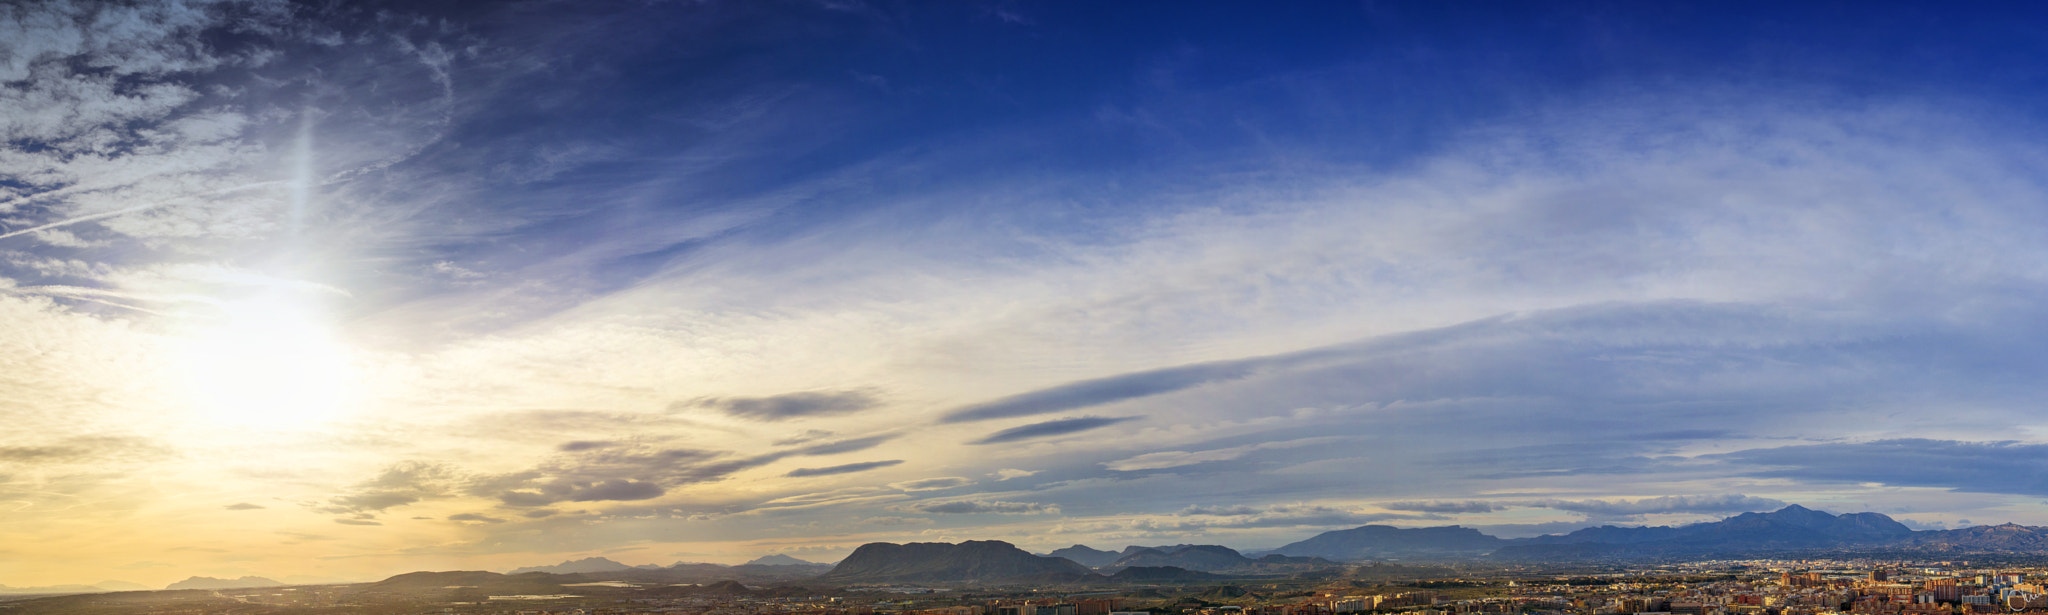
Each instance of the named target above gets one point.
<point>102,586</point>
<point>1790,529</point>
<point>213,583</point>
<point>779,559</point>
<point>766,568</point>
<point>973,560</point>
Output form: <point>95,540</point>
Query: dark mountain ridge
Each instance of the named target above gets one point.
<point>1793,528</point>
<point>970,561</point>
<point>213,583</point>
<point>1083,555</point>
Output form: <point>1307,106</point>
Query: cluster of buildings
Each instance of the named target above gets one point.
<point>1896,591</point>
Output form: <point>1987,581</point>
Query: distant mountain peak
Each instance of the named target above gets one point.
<point>1087,556</point>
<point>588,564</point>
<point>213,583</point>
<point>779,559</point>
<point>973,560</point>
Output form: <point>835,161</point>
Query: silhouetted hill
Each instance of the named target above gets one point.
<point>1085,556</point>
<point>189,600</point>
<point>2007,538</point>
<point>465,585</point>
<point>1205,558</point>
<point>974,560</point>
<point>588,564</point>
<point>726,587</point>
<point>213,583</point>
<point>1792,528</point>
<point>1377,541</point>
<point>1159,574</point>
<point>780,560</point>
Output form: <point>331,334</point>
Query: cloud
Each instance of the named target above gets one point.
<point>808,435</point>
<point>474,517</point>
<point>789,405</point>
<point>1238,509</point>
<point>932,484</point>
<point>398,485</point>
<point>1048,429</point>
<point>895,521</point>
<point>243,506</point>
<point>1693,504</point>
<point>346,521</point>
<point>2009,467</point>
<point>969,507</point>
<point>615,473</point>
<point>1283,515</point>
<point>82,449</point>
<point>1101,391</point>
<point>584,445</point>
<point>1434,506</point>
<point>842,469</point>
<point>845,446</point>
<point>1010,473</point>
<point>1175,459</point>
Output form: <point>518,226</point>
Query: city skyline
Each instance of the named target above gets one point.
<point>343,290</point>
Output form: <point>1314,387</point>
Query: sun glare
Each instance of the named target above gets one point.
<point>268,364</point>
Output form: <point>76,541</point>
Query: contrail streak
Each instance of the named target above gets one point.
<point>122,212</point>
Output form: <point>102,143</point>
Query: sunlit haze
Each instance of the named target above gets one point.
<point>330,291</point>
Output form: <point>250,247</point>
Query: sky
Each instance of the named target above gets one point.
<point>341,290</point>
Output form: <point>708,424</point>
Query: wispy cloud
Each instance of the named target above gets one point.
<point>970,507</point>
<point>843,468</point>
<point>1053,428</point>
<point>789,405</point>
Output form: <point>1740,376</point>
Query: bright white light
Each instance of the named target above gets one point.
<point>269,363</point>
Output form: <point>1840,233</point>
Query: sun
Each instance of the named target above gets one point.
<point>269,363</point>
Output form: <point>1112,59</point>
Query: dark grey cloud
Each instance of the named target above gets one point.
<point>1137,385</point>
<point>788,406</point>
<point>843,469</point>
<point>932,484</point>
<point>1444,506</point>
<point>1982,467</point>
<point>1052,428</point>
<point>243,506</point>
<point>967,507</point>
<point>346,521</point>
<point>584,445</point>
<point>1100,391</point>
<point>474,517</point>
<point>398,485</point>
<point>609,474</point>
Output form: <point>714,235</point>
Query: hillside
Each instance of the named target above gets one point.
<point>1083,555</point>
<point>1205,558</point>
<point>780,560</point>
<point>213,583</point>
<point>974,560</point>
<point>1379,541</point>
<point>588,564</point>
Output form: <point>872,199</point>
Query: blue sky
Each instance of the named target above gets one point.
<point>481,285</point>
